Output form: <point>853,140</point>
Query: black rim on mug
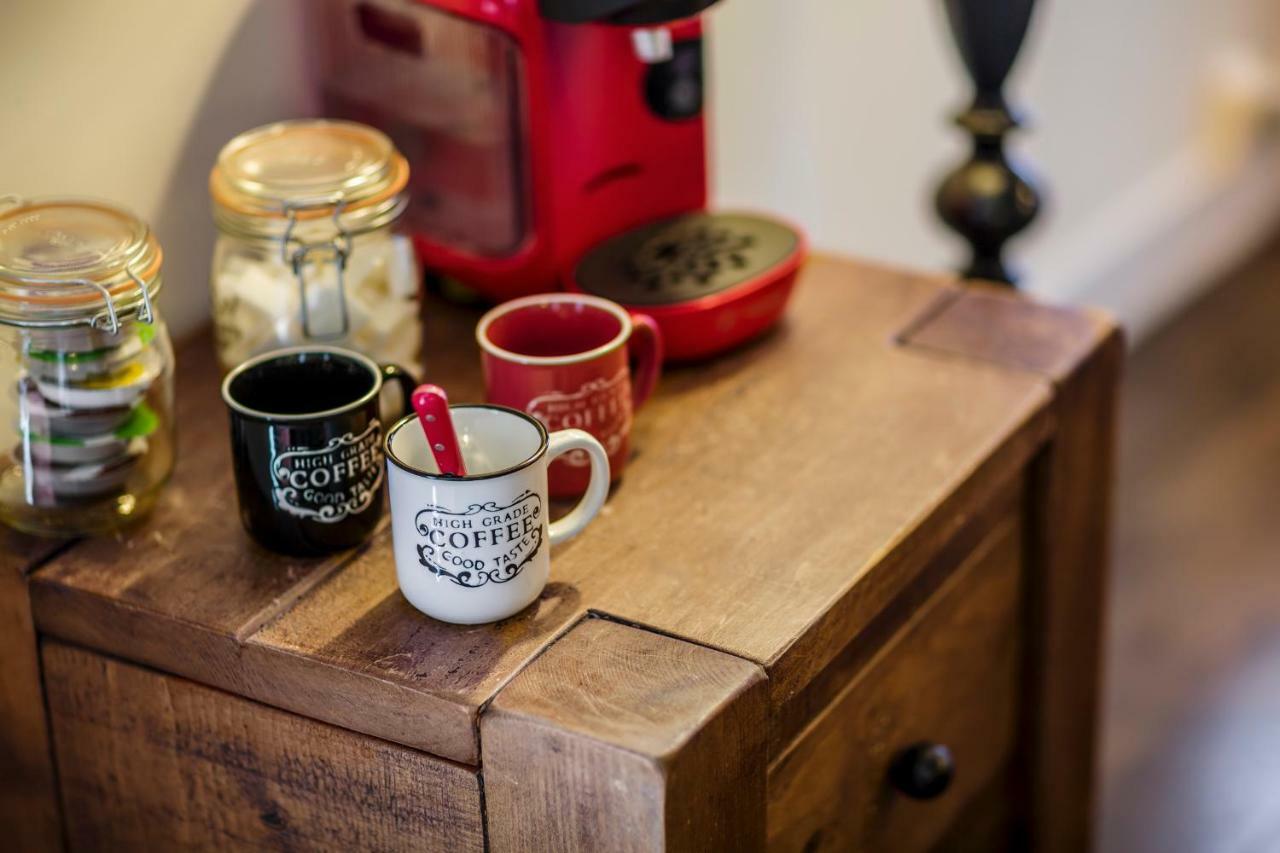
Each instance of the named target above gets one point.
<point>286,354</point>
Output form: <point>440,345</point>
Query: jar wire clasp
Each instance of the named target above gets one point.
<point>338,248</point>
<point>109,321</point>
<point>145,312</point>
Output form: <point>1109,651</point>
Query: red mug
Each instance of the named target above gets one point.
<point>566,359</point>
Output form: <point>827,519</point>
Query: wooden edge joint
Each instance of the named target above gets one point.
<point>1000,327</point>
<point>621,738</point>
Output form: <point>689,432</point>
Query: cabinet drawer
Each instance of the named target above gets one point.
<point>152,762</point>
<point>950,677</point>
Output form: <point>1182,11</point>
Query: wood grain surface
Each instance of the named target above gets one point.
<point>355,648</point>
<point>873,486</point>
<point>181,590</point>
<point>785,504</point>
<point>619,739</point>
<point>786,478</point>
<point>154,762</point>
<point>1081,354</point>
<point>806,479</point>
<point>28,796</point>
<point>950,677</point>
<point>989,323</point>
<point>1070,541</point>
<point>789,720</point>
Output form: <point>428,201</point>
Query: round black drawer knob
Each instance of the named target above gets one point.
<point>922,771</point>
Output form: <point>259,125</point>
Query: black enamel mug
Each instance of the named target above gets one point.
<point>306,446</point>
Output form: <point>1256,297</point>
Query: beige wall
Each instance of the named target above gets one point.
<point>832,112</point>
<point>835,112</point>
<point>130,100</point>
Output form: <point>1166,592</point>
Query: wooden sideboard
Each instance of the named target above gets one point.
<point>881,526</point>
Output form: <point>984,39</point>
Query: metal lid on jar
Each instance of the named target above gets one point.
<point>307,169</point>
<point>65,262</point>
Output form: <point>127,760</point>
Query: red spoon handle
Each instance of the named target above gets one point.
<point>432,406</point>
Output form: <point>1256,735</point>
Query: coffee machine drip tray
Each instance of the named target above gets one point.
<point>685,257</point>
<point>710,280</point>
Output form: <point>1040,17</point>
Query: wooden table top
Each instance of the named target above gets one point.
<point>777,498</point>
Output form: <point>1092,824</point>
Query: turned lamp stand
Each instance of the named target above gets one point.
<point>987,199</point>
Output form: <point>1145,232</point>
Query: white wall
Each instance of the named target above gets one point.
<point>835,112</point>
<point>130,100</point>
<point>832,112</point>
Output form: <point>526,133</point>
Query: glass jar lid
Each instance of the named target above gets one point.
<point>307,169</point>
<point>65,262</point>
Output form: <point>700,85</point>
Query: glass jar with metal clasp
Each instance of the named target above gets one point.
<point>86,368</point>
<point>308,250</point>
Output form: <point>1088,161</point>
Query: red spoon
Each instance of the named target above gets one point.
<point>432,406</point>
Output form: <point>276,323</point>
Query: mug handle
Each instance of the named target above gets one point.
<point>645,349</point>
<point>397,374</point>
<point>597,489</point>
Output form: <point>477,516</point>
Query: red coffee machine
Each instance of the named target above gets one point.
<point>537,130</point>
<point>533,130</point>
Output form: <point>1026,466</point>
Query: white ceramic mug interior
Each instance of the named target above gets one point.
<point>476,549</point>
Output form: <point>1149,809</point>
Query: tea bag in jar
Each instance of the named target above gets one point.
<point>87,369</point>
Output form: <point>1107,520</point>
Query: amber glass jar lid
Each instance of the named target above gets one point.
<point>308,168</point>
<point>70,261</point>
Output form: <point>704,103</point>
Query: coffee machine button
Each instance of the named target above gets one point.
<point>673,89</point>
<point>652,44</point>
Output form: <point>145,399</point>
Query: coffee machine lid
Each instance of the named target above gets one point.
<point>625,12</point>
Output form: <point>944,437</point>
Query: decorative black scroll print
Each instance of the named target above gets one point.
<point>484,543</point>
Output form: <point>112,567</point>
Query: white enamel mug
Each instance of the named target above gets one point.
<point>477,548</point>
